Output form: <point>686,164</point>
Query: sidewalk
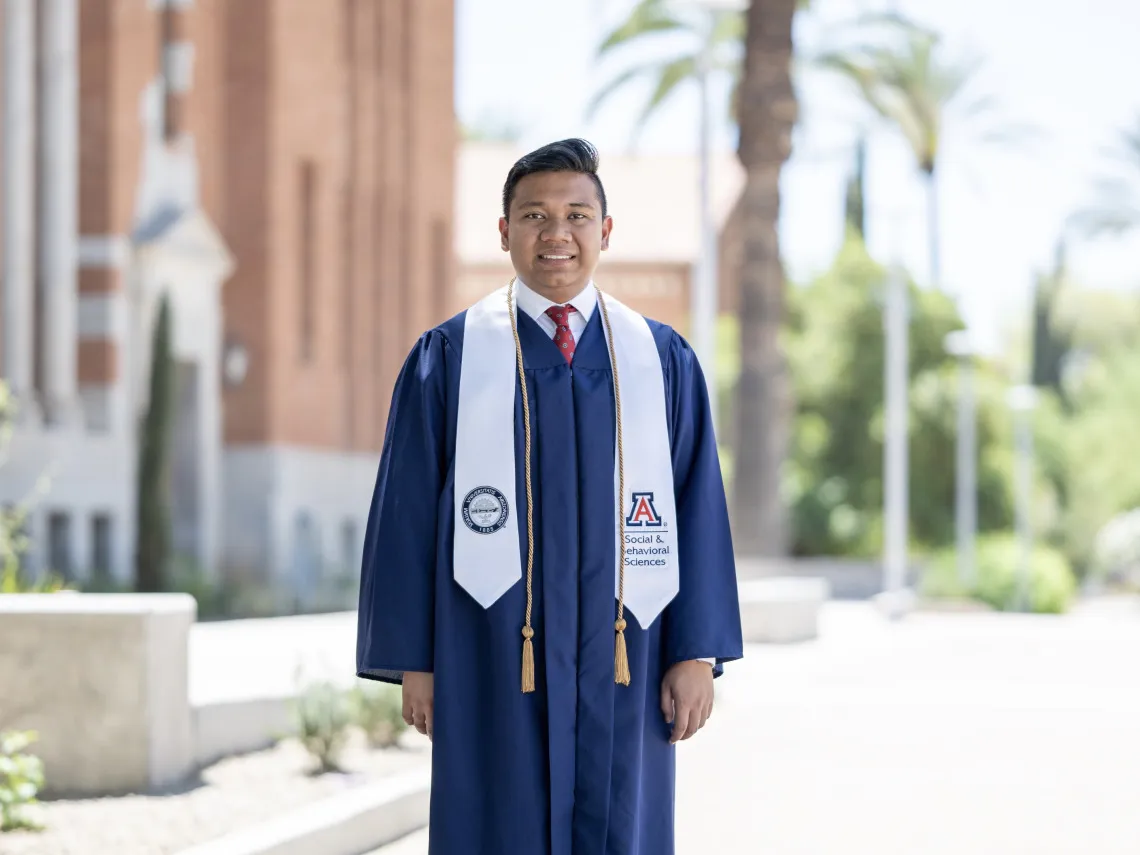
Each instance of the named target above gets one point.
<point>941,735</point>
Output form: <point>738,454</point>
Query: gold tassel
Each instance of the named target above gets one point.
<point>621,657</point>
<point>528,660</point>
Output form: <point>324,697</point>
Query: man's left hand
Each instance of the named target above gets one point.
<point>687,698</point>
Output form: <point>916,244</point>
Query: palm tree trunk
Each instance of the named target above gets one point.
<point>767,115</point>
<point>934,231</point>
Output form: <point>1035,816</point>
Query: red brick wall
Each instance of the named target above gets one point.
<point>362,91</point>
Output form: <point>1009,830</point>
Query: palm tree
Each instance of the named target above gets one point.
<point>768,111</point>
<point>908,83</point>
<point>1117,209</point>
<point>763,103</point>
<point>711,40</point>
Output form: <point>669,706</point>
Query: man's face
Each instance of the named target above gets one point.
<point>554,232</point>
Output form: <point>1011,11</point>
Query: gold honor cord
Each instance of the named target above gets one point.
<point>621,657</point>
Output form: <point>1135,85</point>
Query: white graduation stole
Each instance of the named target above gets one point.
<point>487,511</point>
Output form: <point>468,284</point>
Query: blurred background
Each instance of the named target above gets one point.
<point>903,237</point>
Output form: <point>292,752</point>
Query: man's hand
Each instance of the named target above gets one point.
<point>419,698</point>
<point>687,698</point>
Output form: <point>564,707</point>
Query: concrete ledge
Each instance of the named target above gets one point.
<point>782,610</point>
<point>103,679</point>
<point>226,728</point>
<point>349,823</point>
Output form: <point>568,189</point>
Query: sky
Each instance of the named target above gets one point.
<point>1073,76</point>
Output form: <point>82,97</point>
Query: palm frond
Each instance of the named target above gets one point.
<point>1106,219</point>
<point>617,83</point>
<point>671,75</point>
<point>648,17</point>
<point>728,28</point>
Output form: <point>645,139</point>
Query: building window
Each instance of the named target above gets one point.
<point>101,547</point>
<point>307,262</point>
<point>59,545</point>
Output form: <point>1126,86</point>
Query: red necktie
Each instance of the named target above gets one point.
<point>562,336</point>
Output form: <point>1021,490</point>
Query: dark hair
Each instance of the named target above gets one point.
<point>573,155</point>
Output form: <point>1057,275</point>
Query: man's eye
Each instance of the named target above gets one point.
<point>532,215</point>
<point>578,216</point>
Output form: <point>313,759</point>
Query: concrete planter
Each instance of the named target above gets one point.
<point>103,679</point>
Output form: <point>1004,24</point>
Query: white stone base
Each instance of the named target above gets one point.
<point>781,610</point>
<point>287,512</point>
<point>346,824</point>
<point>80,474</point>
<point>103,679</point>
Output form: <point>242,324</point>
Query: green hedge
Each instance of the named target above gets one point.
<point>1052,584</point>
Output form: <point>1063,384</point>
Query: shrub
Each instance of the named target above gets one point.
<point>21,778</point>
<point>378,710</point>
<point>1116,556</point>
<point>323,716</point>
<point>1052,583</point>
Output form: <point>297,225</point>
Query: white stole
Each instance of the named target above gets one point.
<point>488,513</point>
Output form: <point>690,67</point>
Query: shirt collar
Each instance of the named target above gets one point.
<point>535,305</point>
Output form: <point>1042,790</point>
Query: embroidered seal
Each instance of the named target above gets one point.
<point>485,510</point>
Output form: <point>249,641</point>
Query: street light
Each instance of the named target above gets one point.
<point>959,345</point>
<point>1022,401</point>
<point>895,452</point>
<point>704,293</point>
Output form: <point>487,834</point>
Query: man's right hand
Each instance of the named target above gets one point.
<point>419,698</point>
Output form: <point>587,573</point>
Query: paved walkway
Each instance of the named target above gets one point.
<point>939,735</point>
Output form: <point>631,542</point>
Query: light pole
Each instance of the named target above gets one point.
<point>1022,401</point>
<point>958,344</point>
<point>895,451</point>
<point>703,296</point>
<point>704,292</point>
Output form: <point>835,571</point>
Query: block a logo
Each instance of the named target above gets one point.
<point>643,513</point>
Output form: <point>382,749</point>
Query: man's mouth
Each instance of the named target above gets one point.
<point>555,256</point>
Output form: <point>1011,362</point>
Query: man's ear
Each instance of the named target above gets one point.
<point>504,234</point>
<point>607,227</point>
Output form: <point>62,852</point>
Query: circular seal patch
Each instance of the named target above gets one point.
<point>485,510</point>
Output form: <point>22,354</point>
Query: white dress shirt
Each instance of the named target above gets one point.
<point>535,305</point>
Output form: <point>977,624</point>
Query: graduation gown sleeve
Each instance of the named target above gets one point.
<point>703,621</point>
<point>397,579</point>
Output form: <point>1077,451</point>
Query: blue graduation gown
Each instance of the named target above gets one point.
<point>581,766</point>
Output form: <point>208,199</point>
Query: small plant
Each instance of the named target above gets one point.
<point>21,778</point>
<point>378,709</point>
<point>324,720</point>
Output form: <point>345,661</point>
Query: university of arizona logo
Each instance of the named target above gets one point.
<point>485,510</point>
<point>643,513</point>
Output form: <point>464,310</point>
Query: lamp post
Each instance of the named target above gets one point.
<point>895,451</point>
<point>1022,401</point>
<point>958,344</point>
<point>704,293</point>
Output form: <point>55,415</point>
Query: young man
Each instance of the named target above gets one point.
<point>553,681</point>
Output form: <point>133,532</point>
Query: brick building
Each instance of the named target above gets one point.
<point>283,170</point>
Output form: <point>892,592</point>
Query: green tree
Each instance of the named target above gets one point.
<point>1050,343</point>
<point>855,198</point>
<point>903,77</point>
<point>152,554</point>
<point>836,345</point>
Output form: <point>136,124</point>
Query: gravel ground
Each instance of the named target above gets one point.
<point>235,793</point>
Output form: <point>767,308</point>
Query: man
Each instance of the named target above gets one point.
<point>553,681</point>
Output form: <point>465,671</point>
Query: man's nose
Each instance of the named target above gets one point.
<point>556,229</point>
